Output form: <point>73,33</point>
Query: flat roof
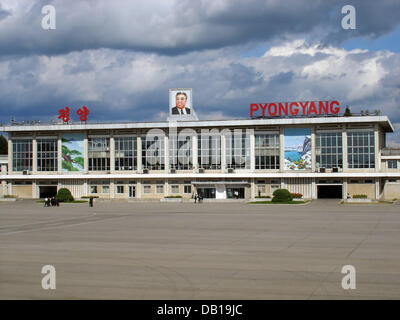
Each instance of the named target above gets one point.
<point>381,120</point>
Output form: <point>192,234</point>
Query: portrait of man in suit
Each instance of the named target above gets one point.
<point>180,104</point>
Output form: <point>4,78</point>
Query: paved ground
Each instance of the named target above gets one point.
<point>120,250</point>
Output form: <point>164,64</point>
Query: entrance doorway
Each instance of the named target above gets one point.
<point>132,191</point>
<point>330,192</point>
<point>232,192</point>
<point>47,191</point>
<point>207,193</point>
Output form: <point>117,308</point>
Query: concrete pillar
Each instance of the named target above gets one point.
<point>166,186</point>
<point>4,187</point>
<point>34,154</point>
<point>195,152</point>
<point>139,153</point>
<point>377,189</point>
<point>139,189</point>
<point>85,188</point>
<point>166,153</point>
<point>112,152</point>
<point>345,157</point>
<point>252,153</point>
<point>85,153</point>
<point>10,162</point>
<point>345,190</point>
<point>314,193</point>
<point>223,153</point>
<point>112,189</point>
<point>35,193</point>
<point>377,149</point>
<point>313,148</point>
<point>59,153</point>
<point>252,189</point>
<point>281,149</point>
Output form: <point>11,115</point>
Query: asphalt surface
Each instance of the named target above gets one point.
<point>121,250</point>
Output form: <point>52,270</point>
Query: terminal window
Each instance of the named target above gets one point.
<point>361,149</point>
<point>22,155</point>
<point>266,151</point>
<point>329,150</point>
<point>47,155</point>
<point>125,153</point>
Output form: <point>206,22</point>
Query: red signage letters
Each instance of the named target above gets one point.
<point>300,108</point>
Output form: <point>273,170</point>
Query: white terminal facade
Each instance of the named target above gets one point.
<point>347,156</point>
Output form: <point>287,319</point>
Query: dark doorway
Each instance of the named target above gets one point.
<point>330,192</point>
<point>47,191</point>
<point>206,193</point>
<point>230,193</point>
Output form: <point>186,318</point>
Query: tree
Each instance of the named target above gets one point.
<point>64,195</point>
<point>3,145</point>
<point>347,112</point>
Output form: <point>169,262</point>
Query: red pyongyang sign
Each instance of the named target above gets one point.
<point>300,108</point>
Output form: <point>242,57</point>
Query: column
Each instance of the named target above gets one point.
<point>223,153</point>
<point>345,157</point>
<point>112,152</point>
<point>139,189</point>
<point>86,153</point>
<point>252,189</point>
<point>377,149</point>
<point>281,149</point>
<point>252,153</point>
<point>85,188</point>
<point>313,145</point>
<point>112,189</point>
<point>34,190</point>
<point>195,152</point>
<point>34,154</point>
<point>59,153</point>
<point>377,193</point>
<point>314,193</point>
<point>345,191</point>
<point>166,153</point>
<point>166,185</point>
<point>10,162</point>
<point>139,153</point>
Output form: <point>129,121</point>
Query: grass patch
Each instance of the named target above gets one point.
<point>75,201</point>
<point>285,202</point>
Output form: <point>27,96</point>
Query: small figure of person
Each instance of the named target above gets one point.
<point>57,202</point>
<point>195,198</point>
<point>236,195</point>
<point>46,202</point>
<point>91,202</point>
<point>200,197</point>
<point>53,202</point>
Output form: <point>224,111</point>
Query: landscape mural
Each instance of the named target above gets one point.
<point>297,147</point>
<point>72,151</point>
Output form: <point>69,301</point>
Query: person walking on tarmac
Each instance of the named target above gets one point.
<point>91,202</point>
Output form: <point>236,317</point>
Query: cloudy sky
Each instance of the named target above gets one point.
<point>120,57</point>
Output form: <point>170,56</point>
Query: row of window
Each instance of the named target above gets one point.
<point>120,189</point>
<point>329,152</point>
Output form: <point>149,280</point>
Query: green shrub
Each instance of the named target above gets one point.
<point>10,196</point>
<point>282,195</point>
<point>64,195</point>
<point>360,196</point>
<point>88,197</point>
<point>297,195</point>
<point>262,197</point>
<point>173,197</point>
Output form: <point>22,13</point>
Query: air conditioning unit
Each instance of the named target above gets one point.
<point>201,170</point>
<point>335,169</point>
<point>231,170</point>
<point>322,170</point>
<point>145,170</point>
<point>172,171</point>
<point>25,172</point>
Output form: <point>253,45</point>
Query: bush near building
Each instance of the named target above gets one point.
<point>64,195</point>
<point>282,195</point>
<point>360,196</point>
<point>297,195</point>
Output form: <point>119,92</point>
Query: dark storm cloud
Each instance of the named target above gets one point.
<point>176,27</point>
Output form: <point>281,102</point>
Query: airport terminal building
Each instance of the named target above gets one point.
<point>319,156</point>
